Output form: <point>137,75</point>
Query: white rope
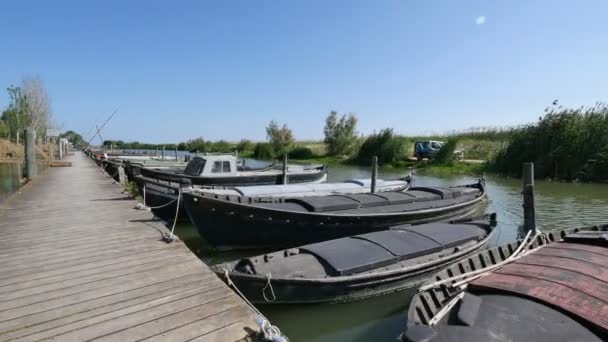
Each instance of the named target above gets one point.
<point>270,332</point>
<point>268,277</point>
<point>439,315</point>
<point>484,270</point>
<point>172,236</point>
<point>143,206</point>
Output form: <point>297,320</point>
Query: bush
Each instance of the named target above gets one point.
<point>388,146</point>
<point>301,152</point>
<point>281,138</point>
<point>564,144</point>
<point>264,151</point>
<point>245,145</point>
<point>340,135</point>
<point>445,155</point>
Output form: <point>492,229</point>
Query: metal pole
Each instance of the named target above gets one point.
<point>374,173</point>
<point>285,180</point>
<point>528,192</point>
<point>30,153</point>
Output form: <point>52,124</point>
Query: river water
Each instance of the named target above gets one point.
<point>559,205</point>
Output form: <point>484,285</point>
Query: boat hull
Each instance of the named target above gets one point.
<point>232,225</point>
<point>164,189</point>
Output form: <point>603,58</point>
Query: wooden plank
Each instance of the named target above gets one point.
<point>79,262</point>
<point>210,328</point>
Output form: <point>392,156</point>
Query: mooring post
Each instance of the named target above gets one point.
<point>176,153</point>
<point>156,151</point>
<point>528,194</point>
<point>374,173</point>
<point>60,149</point>
<point>285,180</point>
<point>30,153</point>
<point>163,153</point>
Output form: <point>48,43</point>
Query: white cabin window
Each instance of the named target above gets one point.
<point>217,167</point>
<point>226,167</point>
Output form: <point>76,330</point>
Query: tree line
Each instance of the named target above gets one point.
<point>29,107</point>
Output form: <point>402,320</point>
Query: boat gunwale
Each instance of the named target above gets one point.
<point>478,198</point>
<point>548,238</point>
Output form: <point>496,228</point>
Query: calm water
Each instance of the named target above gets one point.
<point>381,318</point>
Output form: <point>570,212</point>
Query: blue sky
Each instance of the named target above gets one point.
<point>223,69</point>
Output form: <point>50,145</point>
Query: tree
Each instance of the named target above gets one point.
<point>281,138</point>
<point>29,107</point>
<point>245,145</point>
<point>37,105</point>
<point>74,138</point>
<point>4,131</point>
<point>340,135</point>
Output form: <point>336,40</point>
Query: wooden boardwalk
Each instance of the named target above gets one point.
<point>78,262</point>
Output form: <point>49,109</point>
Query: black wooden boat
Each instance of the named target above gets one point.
<point>356,267</point>
<point>240,222</point>
<point>556,290</point>
<point>162,186</point>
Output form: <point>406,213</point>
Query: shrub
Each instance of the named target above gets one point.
<point>245,145</point>
<point>385,144</point>
<point>340,135</point>
<point>281,138</point>
<point>301,152</point>
<point>264,151</point>
<point>445,155</point>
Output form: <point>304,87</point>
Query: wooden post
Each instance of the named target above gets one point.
<point>30,153</point>
<point>60,149</point>
<point>156,151</point>
<point>285,180</point>
<point>529,208</point>
<point>374,173</point>
<point>163,153</point>
<point>175,152</point>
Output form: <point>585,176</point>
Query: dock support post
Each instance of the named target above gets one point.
<point>374,173</point>
<point>175,152</point>
<point>285,180</point>
<point>60,149</point>
<point>30,153</point>
<point>163,153</point>
<point>528,194</point>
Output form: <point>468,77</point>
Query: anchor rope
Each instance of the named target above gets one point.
<point>270,332</point>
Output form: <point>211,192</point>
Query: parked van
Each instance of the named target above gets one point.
<point>426,148</point>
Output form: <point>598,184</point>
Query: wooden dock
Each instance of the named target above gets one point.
<point>78,262</point>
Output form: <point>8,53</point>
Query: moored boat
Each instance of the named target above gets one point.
<point>163,186</point>
<point>228,222</point>
<point>551,287</point>
<point>356,267</point>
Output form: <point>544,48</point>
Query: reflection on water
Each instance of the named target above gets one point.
<point>558,205</point>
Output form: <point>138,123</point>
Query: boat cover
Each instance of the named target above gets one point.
<point>373,250</point>
<point>347,186</point>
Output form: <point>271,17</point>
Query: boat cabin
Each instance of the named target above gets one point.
<point>212,165</point>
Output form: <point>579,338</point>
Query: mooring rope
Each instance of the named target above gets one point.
<point>172,236</point>
<point>477,273</point>
<point>269,331</point>
<point>268,277</point>
<point>143,206</point>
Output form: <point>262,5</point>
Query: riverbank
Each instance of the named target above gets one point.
<point>11,152</point>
